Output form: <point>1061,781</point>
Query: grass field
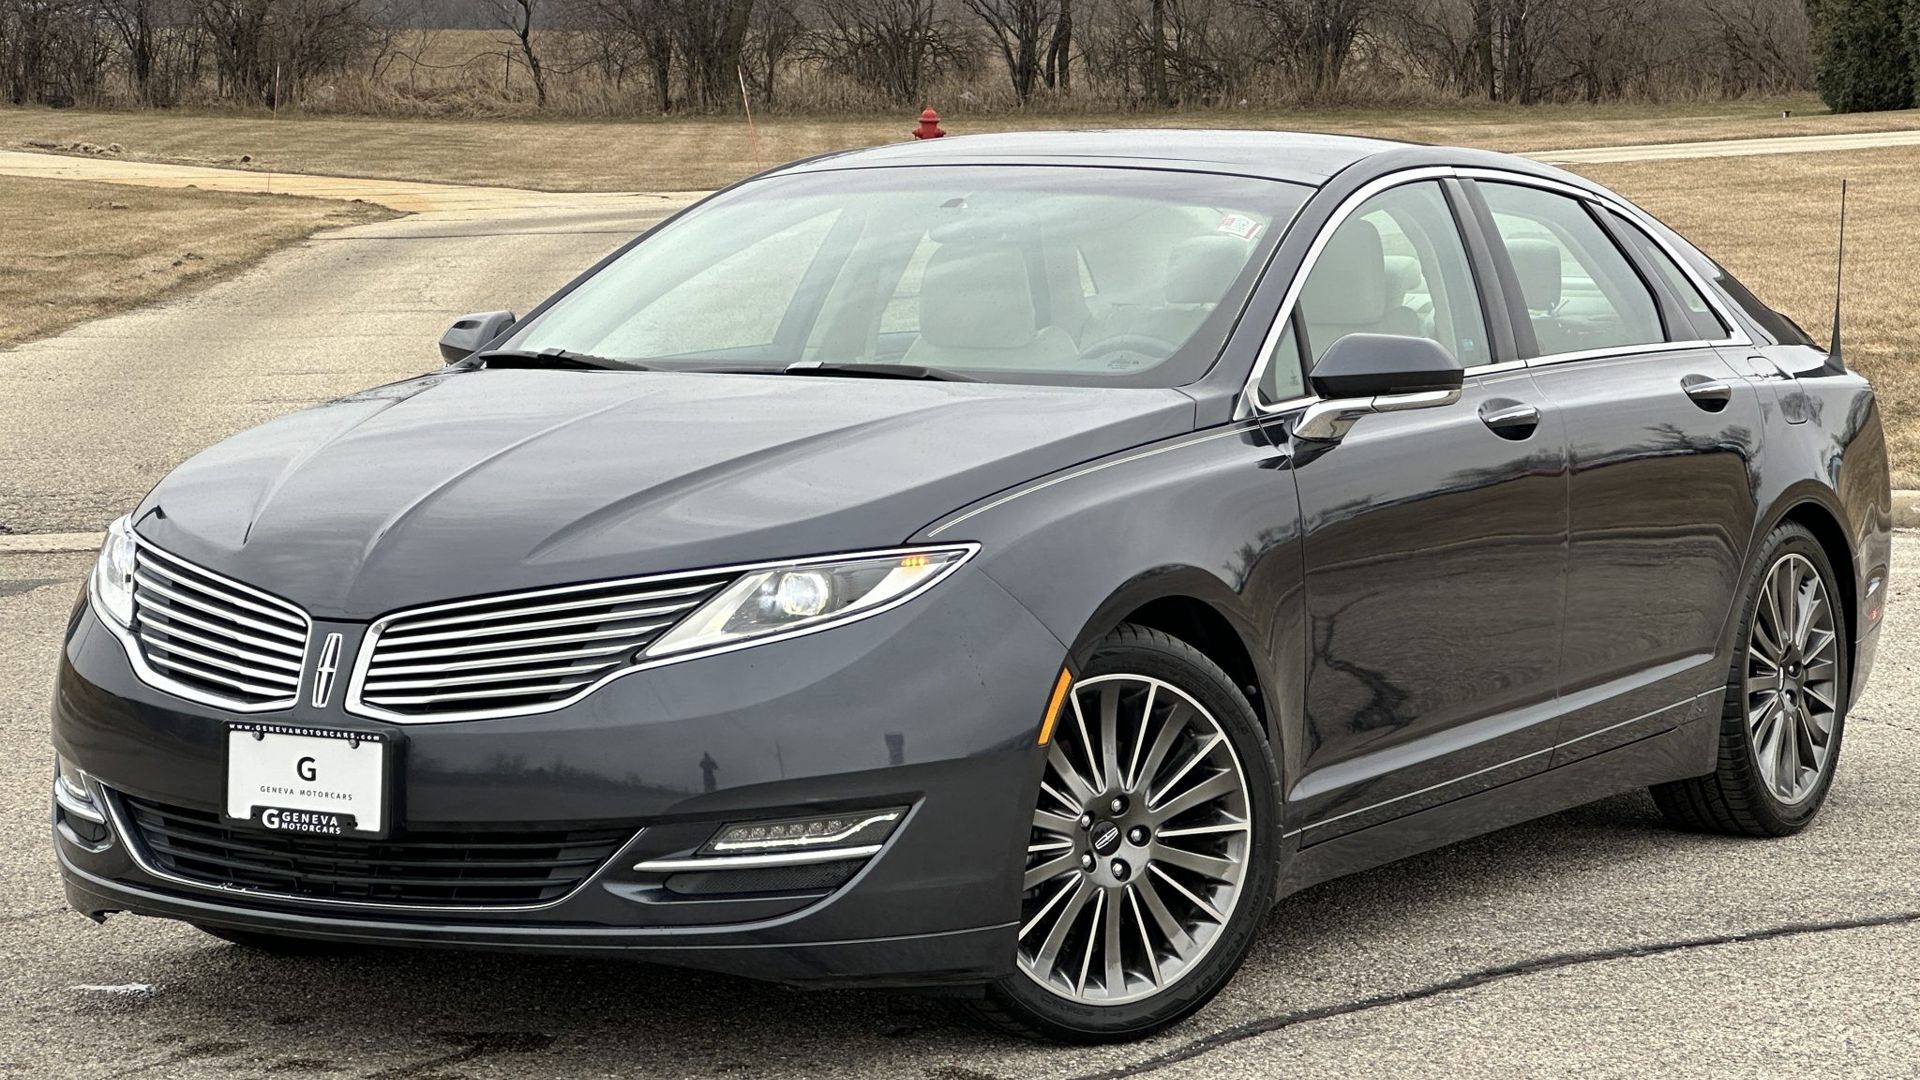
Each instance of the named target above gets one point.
<point>699,153</point>
<point>76,251</point>
<point>1772,220</point>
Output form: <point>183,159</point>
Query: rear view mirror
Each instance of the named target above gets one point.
<point>1377,365</point>
<point>470,333</point>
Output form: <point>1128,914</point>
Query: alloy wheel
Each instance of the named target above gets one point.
<point>1791,685</point>
<point>1139,848</point>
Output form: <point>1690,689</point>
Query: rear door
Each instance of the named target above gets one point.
<point>1662,435</point>
<point>1434,539</point>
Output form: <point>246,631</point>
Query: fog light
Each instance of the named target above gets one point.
<point>79,818</point>
<point>73,790</point>
<point>858,829</point>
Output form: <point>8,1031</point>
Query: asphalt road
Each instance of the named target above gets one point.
<point>91,418</point>
<point>1594,943</point>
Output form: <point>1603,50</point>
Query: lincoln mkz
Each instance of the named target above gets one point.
<point>1006,565</point>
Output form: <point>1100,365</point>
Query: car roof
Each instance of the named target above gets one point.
<point>1295,157</point>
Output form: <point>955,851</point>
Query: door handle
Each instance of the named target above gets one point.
<point>1510,419</point>
<point>1710,394</point>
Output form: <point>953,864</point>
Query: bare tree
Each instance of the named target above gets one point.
<point>628,34</point>
<point>889,46</point>
<point>517,17</point>
<point>709,37</point>
<point>774,37</point>
<point>1315,38</point>
<point>1021,29</point>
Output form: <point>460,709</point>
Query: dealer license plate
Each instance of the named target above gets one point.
<point>307,780</point>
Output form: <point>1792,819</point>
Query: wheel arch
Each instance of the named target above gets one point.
<point>1196,608</point>
<point>1813,513</point>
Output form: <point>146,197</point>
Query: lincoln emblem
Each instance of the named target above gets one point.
<point>324,670</point>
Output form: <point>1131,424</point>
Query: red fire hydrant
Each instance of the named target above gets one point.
<point>929,126</point>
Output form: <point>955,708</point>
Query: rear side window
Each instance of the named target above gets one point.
<point>1581,292</point>
<point>1703,323</point>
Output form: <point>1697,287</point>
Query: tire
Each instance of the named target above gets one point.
<point>279,944</point>
<point>1173,775</point>
<point>1747,794</point>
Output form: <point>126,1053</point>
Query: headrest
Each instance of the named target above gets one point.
<point>1403,276</point>
<point>1537,263</point>
<point>1200,269</point>
<point>976,295</point>
<point>1348,286</point>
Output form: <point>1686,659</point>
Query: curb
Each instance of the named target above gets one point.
<point>51,543</point>
<point>1906,509</point>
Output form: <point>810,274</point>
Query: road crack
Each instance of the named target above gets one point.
<point>1206,1044</point>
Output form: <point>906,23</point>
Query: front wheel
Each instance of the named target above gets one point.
<point>1150,859</point>
<point>1786,700</point>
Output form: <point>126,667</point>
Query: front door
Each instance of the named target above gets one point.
<point>1434,543</point>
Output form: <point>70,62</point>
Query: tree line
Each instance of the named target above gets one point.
<point>617,57</point>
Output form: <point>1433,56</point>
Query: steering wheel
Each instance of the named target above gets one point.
<point>1144,344</point>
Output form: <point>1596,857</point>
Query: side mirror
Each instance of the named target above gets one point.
<point>470,333</point>
<point>1362,374</point>
<point>1374,365</point>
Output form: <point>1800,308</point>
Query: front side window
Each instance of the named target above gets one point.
<point>1126,277</point>
<point>1580,291</point>
<point>1396,265</point>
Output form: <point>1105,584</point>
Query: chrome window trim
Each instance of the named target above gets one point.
<point>151,676</point>
<point>136,849</point>
<point>1251,405</point>
<point>363,658</point>
<point>1737,334</point>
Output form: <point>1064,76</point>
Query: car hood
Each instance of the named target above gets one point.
<point>458,484</point>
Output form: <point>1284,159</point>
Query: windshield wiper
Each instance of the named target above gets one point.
<point>562,358</point>
<point>877,371</point>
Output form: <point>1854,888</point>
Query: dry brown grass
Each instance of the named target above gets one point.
<point>75,251</point>
<point>1771,220</point>
<point>697,153</point>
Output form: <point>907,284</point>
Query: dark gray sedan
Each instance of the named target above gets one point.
<point>1008,563</point>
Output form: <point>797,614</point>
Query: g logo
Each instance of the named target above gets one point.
<point>305,767</point>
<point>270,818</point>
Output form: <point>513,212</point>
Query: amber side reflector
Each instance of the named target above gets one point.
<point>1053,705</point>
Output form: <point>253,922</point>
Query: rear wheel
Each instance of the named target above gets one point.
<point>1149,861</point>
<point>1785,707</point>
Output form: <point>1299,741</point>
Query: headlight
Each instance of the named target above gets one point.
<point>112,584</point>
<point>809,594</point>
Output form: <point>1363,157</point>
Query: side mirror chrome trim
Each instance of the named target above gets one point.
<point>1329,421</point>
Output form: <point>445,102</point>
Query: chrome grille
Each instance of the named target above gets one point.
<point>214,638</point>
<point>519,652</point>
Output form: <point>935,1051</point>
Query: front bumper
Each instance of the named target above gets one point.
<point>932,706</point>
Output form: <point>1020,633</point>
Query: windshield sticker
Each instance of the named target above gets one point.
<point>1239,225</point>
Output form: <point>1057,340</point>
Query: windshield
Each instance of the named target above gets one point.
<point>1123,277</point>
